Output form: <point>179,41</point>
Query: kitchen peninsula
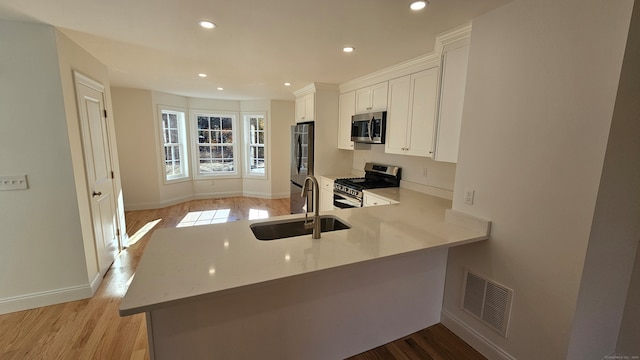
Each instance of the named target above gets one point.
<point>217,292</point>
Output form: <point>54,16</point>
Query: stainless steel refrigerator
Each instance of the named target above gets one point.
<point>301,165</point>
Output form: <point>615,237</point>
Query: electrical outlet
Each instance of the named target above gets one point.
<point>468,196</point>
<point>17,182</point>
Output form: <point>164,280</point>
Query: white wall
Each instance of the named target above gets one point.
<point>282,118</point>
<point>628,343</point>
<point>615,232</point>
<point>541,88</point>
<point>133,112</point>
<point>47,252</point>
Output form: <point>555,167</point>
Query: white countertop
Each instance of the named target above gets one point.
<point>182,263</point>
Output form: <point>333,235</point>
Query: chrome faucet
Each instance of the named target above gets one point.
<point>315,223</point>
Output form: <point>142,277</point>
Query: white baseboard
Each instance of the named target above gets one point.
<point>46,298</point>
<point>95,283</point>
<point>483,345</point>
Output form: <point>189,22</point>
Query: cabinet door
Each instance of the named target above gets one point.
<point>397,115</point>
<point>379,96</point>
<point>372,98</point>
<point>347,104</point>
<point>452,85</point>
<point>363,100</point>
<point>326,200</point>
<point>309,107</point>
<point>423,111</point>
<point>305,107</point>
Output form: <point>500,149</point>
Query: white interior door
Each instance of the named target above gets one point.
<point>97,155</point>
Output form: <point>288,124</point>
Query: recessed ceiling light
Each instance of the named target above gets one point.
<point>207,24</point>
<point>418,5</point>
<point>202,75</point>
<point>287,84</point>
<point>348,49</point>
<point>220,88</point>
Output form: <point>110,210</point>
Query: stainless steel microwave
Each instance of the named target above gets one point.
<point>369,128</point>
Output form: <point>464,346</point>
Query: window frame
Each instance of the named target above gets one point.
<point>246,145</point>
<point>183,131</point>
<point>235,131</point>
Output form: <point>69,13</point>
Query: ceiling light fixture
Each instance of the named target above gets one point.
<point>202,75</point>
<point>287,84</point>
<point>220,88</point>
<point>348,49</point>
<point>418,5</point>
<point>207,24</point>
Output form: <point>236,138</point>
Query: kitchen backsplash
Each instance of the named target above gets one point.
<point>439,175</point>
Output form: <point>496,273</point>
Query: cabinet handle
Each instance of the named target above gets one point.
<point>99,193</point>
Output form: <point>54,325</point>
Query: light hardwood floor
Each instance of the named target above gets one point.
<point>92,328</point>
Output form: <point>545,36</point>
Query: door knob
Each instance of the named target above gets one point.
<point>97,193</point>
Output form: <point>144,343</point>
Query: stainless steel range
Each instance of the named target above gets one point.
<point>347,192</point>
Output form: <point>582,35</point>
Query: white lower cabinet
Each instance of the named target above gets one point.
<point>326,194</point>
<point>411,113</point>
<point>373,200</point>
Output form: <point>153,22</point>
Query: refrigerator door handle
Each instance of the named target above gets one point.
<point>299,153</point>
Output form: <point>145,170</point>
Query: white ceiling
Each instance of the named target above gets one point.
<point>257,45</point>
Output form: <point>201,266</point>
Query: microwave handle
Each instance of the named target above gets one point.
<point>371,129</point>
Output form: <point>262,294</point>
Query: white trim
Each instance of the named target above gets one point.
<point>89,82</point>
<point>46,298</point>
<point>473,338</point>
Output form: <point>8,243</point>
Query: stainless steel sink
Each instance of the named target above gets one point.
<point>279,229</point>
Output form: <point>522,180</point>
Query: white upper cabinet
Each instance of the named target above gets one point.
<point>347,108</point>
<point>411,113</point>
<point>452,84</point>
<point>305,108</point>
<point>371,98</point>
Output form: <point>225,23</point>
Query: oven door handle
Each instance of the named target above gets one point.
<point>346,199</point>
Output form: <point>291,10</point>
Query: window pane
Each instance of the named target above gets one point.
<point>226,124</point>
<point>203,137</point>
<point>216,152</point>
<point>164,121</point>
<point>205,152</point>
<point>215,137</point>
<point>215,123</point>
<point>227,137</point>
<point>173,121</point>
<point>228,152</point>
<point>174,136</point>
<point>203,122</point>
<point>261,137</point>
<point>260,153</point>
<point>261,123</point>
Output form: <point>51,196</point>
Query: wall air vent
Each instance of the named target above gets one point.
<point>487,301</point>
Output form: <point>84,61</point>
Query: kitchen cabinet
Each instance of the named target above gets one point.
<point>326,194</point>
<point>411,113</point>
<point>371,98</point>
<point>453,77</point>
<point>347,108</point>
<point>373,200</point>
<point>305,108</point>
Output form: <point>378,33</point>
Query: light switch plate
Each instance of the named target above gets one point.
<point>15,182</point>
<point>468,196</point>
